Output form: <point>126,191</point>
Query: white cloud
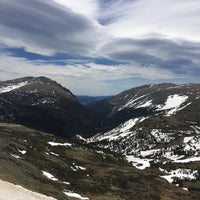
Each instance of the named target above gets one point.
<point>85,7</point>
<point>45,28</point>
<point>139,19</point>
<point>81,79</point>
<point>159,40</point>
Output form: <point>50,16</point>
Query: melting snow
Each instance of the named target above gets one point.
<point>66,183</point>
<point>59,144</point>
<point>121,131</point>
<point>180,174</point>
<point>131,103</point>
<point>15,156</point>
<point>149,152</point>
<point>161,137</point>
<point>130,123</point>
<point>55,154</point>
<point>80,138</point>
<point>8,88</point>
<point>187,139</point>
<point>9,191</point>
<point>147,104</point>
<point>192,143</point>
<point>76,167</point>
<point>49,176</point>
<point>75,195</point>
<point>169,155</point>
<point>22,151</point>
<point>187,160</point>
<point>173,103</point>
<point>138,162</point>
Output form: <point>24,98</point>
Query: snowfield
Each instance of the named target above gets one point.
<point>9,191</point>
<point>122,131</point>
<point>180,174</point>
<point>49,176</point>
<point>59,144</point>
<point>146,104</point>
<point>4,89</point>
<point>132,102</point>
<point>138,162</point>
<point>75,195</point>
<point>75,167</point>
<point>173,104</point>
<point>187,160</point>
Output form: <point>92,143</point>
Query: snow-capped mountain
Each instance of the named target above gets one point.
<point>168,99</point>
<point>154,125</point>
<point>43,104</point>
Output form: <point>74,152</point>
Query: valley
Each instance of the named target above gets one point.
<point>143,143</point>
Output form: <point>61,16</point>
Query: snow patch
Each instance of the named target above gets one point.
<point>9,191</point>
<point>182,174</point>
<point>75,195</point>
<point>75,167</point>
<point>22,151</point>
<point>149,152</point>
<point>138,162</point>
<point>172,104</point>
<point>15,156</point>
<point>66,183</point>
<point>122,131</point>
<point>187,139</point>
<point>10,87</point>
<point>80,138</point>
<point>132,102</point>
<point>59,144</point>
<point>187,160</point>
<point>161,137</point>
<point>55,154</point>
<point>49,176</point>
<point>146,104</point>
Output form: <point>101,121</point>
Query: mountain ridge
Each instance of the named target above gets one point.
<point>45,105</point>
<point>155,127</point>
<point>140,101</point>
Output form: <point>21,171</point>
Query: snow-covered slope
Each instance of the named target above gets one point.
<point>146,146</point>
<point>11,86</point>
<point>72,170</point>
<point>168,99</point>
<point>10,191</point>
<point>159,127</point>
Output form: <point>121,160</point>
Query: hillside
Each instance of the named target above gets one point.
<point>156,126</point>
<point>147,100</point>
<point>43,104</point>
<point>61,169</point>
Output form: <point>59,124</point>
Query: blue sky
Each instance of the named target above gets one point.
<point>101,47</point>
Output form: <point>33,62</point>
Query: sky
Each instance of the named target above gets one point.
<point>101,47</point>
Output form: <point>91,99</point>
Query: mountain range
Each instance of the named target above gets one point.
<point>153,129</point>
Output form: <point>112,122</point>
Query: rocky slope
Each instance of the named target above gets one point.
<point>161,129</point>
<point>166,99</point>
<point>45,105</point>
<point>74,170</point>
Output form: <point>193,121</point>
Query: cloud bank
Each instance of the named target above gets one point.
<point>106,45</point>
